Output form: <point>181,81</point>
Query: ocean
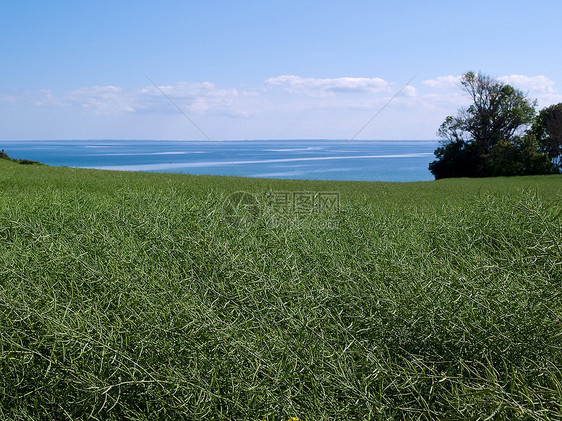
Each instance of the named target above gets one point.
<point>360,160</point>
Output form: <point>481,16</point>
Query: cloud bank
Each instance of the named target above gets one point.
<point>205,98</point>
<point>443,82</point>
<point>328,87</point>
<point>285,106</point>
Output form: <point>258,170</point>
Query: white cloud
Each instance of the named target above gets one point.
<point>328,87</point>
<point>549,99</point>
<point>100,99</point>
<point>190,91</point>
<point>315,107</point>
<point>97,99</point>
<point>443,82</point>
<point>202,98</point>
<point>537,84</point>
<point>450,100</point>
<point>409,91</point>
<point>24,97</point>
<point>540,87</point>
<point>44,97</point>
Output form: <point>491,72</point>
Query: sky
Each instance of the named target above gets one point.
<point>245,69</point>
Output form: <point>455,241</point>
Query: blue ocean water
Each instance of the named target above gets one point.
<point>366,160</point>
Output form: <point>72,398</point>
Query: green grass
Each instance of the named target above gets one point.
<point>136,296</point>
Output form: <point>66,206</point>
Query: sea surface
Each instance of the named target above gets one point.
<point>366,160</point>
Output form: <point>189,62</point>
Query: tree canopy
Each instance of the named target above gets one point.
<point>548,132</point>
<point>491,136</point>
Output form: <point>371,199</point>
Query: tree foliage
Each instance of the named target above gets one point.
<point>489,137</point>
<point>548,132</point>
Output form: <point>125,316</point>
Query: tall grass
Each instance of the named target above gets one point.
<point>135,296</point>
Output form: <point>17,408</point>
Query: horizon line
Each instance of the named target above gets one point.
<point>215,140</point>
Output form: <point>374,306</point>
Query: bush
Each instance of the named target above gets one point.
<point>4,155</point>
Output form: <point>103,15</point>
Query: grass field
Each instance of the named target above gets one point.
<point>153,296</point>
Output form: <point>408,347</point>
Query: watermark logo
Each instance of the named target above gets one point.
<point>283,209</point>
<point>241,208</point>
<point>303,203</point>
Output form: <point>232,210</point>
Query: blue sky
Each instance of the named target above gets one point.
<point>262,69</point>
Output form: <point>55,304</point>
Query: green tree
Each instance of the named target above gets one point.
<point>522,157</point>
<point>532,156</point>
<point>484,139</point>
<point>548,132</point>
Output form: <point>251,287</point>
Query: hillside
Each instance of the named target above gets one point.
<point>160,296</point>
